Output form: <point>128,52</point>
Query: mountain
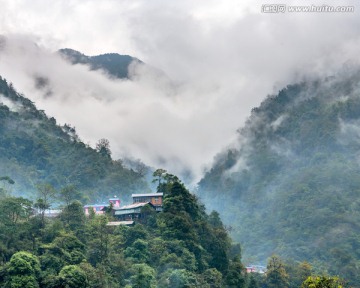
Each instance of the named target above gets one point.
<point>291,185</point>
<point>35,150</point>
<point>114,64</point>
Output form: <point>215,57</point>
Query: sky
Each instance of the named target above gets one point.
<point>220,59</point>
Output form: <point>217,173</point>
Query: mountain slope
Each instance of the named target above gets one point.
<point>114,64</point>
<point>34,149</point>
<point>292,184</point>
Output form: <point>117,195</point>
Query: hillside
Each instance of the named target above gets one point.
<point>35,150</point>
<point>291,185</point>
<point>114,64</point>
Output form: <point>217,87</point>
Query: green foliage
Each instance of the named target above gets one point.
<point>74,218</point>
<point>138,251</point>
<point>298,273</point>
<point>69,194</point>
<point>23,270</point>
<point>179,247</point>
<point>103,148</point>
<point>14,210</point>
<point>183,279</point>
<point>34,149</point>
<point>236,276</point>
<point>291,185</point>
<point>213,278</point>
<point>143,276</point>
<point>323,282</point>
<point>253,283</point>
<point>72,276</point>
<point>276,275</point>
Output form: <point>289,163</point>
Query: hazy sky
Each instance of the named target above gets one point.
<point>223,58</point>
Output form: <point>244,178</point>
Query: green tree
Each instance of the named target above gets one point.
<point>103,147</point>
<point>72,276</point>
<point>276,276</point>
<point>41,206</point>
<point>143,276</point>
<point>15,213</point>
<point>138,251</point>
<point>213,278</point>
<point>23,270</point>
<point>159,176</point>
<point>236,276</point>
<point>99,237</point>
<point>73,217</point>
<point>253,282</point>
<point>298,273</point>
<point>68,194</point>
<point>15,209</point>
<point>46,194</point>
<point>182,278</point>
<point>323,282</point>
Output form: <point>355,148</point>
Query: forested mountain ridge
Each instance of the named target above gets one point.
<point>179,247</point>
<point>35,150</point>
<point>114,64</point>
<point>291,186</point>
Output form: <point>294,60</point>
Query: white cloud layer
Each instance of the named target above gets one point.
<point>223,58</point>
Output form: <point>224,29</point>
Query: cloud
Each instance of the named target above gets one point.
<point>222,58</point>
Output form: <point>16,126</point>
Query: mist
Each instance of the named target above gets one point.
<point>219,61</point>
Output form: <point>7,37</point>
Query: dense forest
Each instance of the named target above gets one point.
<point>45,165</point>
<point>180,247</point>
<point>35,150</point>
<point>291,185</point>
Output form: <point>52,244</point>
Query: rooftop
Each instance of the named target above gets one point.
<point>132,206</point>
<point>118,223</point>
<point>148,195</point>
<point>96,205</point>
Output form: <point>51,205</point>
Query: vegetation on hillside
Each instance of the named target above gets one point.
<point>180,247</point>
<point>292,185</point>
<point>34,149</point>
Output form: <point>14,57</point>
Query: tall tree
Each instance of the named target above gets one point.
<point>73,217</point>
<point>159,177</point>
<point>69,193</point>
<point>276,275</point>
<point>103,147</point>
<point>236,276</point>
<point>45,195</point>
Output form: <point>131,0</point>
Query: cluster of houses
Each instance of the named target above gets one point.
<point>126,215</point>
<point>136,212</point>
<point>256,269</point>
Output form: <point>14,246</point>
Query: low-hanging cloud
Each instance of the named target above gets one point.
<point>221,62</point>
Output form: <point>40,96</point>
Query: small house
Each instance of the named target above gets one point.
<point>97,208</point>
<point>256,269</point>
<point>132,212</point>
<point>100,209</point>
<point>115,202</point>
<point>156,199</point>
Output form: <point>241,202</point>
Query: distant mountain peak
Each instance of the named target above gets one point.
<point>114,64</point>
